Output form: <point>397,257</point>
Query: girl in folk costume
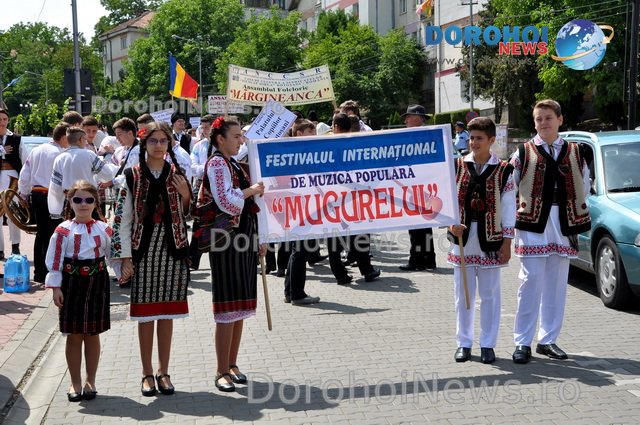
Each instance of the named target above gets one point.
<point>80,281</point>
<point>150,240</point>
<point>486,196</point>
<point>552,178</point>
<point>233,267</point>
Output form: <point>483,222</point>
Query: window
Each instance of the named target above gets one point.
<point>403,6</point>
<point>123,43</point>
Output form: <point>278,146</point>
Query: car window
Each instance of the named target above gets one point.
<point>620,163</point>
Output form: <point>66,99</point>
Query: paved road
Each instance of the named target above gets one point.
<point>370,353</point>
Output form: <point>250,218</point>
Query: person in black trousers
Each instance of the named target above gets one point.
<point>422,254</point>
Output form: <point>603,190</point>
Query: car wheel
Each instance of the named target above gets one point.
<point>611,277</point>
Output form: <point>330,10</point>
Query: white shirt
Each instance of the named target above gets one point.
<point>72,165</point>
<point>199,158</point>
<point>38,168</point>
<point>184,160</point>
<point>228,198</point>
<point>128,154</point>
<point>95,241</point>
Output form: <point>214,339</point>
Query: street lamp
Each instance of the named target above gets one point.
<point>198,43</point>
<point>46,86</point>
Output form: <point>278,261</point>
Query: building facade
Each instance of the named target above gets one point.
<point>117,41</point>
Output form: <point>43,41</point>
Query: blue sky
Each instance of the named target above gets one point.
<point>53,12</point>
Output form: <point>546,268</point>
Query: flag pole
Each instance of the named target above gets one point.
<point>463,269</point>
<point>267,306</point>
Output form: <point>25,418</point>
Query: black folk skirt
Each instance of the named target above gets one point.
<point>85,287</point>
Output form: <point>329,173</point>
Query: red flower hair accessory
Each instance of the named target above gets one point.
<point>217,124</point>
<point>142,132</point>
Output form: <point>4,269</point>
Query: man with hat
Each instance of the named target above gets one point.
<point>178,124</point>
<point>422,254</point>
<point>461,141</point>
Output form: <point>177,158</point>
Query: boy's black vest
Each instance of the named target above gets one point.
<point>12,158</point>
<point>479,199</point>
<point>545,181</point>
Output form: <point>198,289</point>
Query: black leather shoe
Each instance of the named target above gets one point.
<point>287,300</point>
<point>552,351</point>
<point>345,280</point>
<point>169,389</point>
<point>281,273</point>
<point>238,378</point>
<point>74,397</point>
<point>487,355</point>
<point>315,260</point>
<point>370,277</point>
<point>410,268</point>
<point>462,354</point>
<point>226,387</point>
<point>522,354</point>
<point>147,392</point>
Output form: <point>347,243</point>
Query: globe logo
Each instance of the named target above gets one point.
<point>581,44</point>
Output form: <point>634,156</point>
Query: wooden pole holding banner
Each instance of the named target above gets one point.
<point>463,269</point>
<point>267,306</point>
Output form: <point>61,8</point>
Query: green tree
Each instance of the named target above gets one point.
<point>520,81</point>
<point>41,54</point>
<point>210,25</point>
<point>381,73</point>
<point>266,42</point>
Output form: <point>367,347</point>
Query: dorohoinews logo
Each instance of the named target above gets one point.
<point>580,44</point>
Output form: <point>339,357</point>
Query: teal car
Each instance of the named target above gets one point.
<point>611,249</point>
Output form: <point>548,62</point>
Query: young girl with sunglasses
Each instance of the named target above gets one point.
<point>76,260</point>
<point>150,243</point>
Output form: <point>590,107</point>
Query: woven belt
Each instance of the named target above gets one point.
<point>40,189</point>
<point>6,166</point>
<point>84,270</point>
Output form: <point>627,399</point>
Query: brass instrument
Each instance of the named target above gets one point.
<point>16,208</point>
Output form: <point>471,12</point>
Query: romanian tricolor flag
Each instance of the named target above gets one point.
<point>181,84</point>
<point>426,8</point>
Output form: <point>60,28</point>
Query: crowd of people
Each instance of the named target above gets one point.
<point>159,175</point>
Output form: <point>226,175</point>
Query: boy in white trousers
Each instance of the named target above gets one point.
<point>552,178</point>
<point>486,197</point>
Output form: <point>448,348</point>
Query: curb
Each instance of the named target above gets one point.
<point>25,351</point>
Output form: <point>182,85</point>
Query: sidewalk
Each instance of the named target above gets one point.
<point>369,353</point>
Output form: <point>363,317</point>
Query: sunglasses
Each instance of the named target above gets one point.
<point>78,200</point>
<point>152,141</point>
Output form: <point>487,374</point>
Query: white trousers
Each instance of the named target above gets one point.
<point>488,283</point>
<point>542,292</point>
<point>14,232</point>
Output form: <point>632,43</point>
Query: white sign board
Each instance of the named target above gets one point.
<point>164,115</point>
<point>217,104</point>
<point>273,122</point>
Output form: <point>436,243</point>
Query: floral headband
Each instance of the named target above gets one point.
<point>142,132</point>
<point>217,124</point>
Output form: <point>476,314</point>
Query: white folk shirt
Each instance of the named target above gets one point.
<point>125,153</point>
<point>79,241</point>
<point>72,165</point>
<point>199,158</point>
<point>38,168</point>
<point>229,199</point>
<point>184,160</point>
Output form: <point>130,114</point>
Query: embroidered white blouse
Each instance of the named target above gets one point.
<point>81,241</point>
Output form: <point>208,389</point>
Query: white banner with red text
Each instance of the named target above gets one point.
<point>327,186</point>
<point>253,87</point>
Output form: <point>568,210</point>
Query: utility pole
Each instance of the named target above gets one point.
<point>76,57</point>
<point>471,3</point>
<point>633,65</point>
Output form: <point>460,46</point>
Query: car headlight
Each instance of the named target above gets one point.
<point>637,241</point>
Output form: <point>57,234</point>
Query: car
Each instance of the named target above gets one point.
<point>611,249</point>
<point>31,142</point>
